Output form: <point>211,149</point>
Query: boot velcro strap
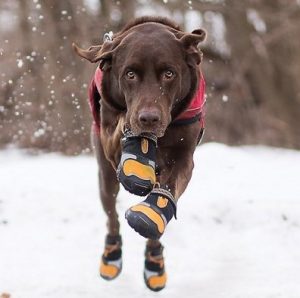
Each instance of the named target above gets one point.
<point>166,194</point>
<point>154,251</point>
<point>113,248</point>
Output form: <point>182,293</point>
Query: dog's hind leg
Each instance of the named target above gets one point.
<point>154,268</point>
<point>111,263</point>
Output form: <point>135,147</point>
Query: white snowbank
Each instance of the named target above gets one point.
<point>237,233</point>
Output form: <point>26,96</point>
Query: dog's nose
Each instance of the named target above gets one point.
<point>149,117</point>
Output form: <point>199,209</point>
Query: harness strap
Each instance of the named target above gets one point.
<point>187,121</point>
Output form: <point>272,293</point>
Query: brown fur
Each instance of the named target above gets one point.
<point>148,47</point>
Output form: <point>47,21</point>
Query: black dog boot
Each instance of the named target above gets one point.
<point>111,262</point>
<point>136,171</point>
<point>154,271</point>
<point>150,217</point>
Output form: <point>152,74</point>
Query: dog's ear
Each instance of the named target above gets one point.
<point>190,43</point>
<point>102,53</point>
<point>92,54</point>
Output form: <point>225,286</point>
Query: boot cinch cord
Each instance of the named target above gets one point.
<point>129,134</point>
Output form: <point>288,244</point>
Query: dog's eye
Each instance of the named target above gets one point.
<point>130,75</point>
<point>169,74</point>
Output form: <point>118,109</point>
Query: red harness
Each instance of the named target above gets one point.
<point>193,113</point>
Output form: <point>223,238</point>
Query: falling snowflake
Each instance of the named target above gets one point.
<point>39,133</point>
<point>20,63</point>
<point>225,98</point>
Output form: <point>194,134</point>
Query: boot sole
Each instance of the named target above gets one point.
<point>142,224</point>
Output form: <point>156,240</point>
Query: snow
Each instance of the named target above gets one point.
<point>255,19</point>
<point>20,63</point>
<point>237,233</point>
<point>225,98</point>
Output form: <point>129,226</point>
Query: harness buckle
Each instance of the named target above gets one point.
<point>108,36</point>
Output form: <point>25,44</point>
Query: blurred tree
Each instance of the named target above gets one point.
<point>264,85</point>
<point>251,65</point>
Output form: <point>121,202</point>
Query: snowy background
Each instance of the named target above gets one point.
<point>237,233</point>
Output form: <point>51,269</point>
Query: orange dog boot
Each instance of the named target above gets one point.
<point>150,217</point>
<point>111,262</point>
<point>136,171</point>
<point>154,271</point>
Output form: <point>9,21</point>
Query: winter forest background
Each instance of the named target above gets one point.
<point>251,64</point>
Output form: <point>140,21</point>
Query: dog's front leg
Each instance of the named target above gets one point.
<point>150,217</point>
<point>177,174</point>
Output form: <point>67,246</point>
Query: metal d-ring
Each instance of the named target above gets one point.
<point>108,36</point>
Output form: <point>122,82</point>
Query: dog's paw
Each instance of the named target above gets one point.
<point>111,261</point>
<point>136,171</point>
<point>155,276</point>
<point>150,217</point>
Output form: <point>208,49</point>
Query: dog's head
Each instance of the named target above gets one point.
<point>152,69</point>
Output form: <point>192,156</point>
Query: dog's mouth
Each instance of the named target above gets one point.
<point>158,130</point>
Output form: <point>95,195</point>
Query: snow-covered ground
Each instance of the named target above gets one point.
<point>237,233</point>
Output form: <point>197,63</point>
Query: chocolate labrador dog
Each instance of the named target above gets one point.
<point>147,98</point>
